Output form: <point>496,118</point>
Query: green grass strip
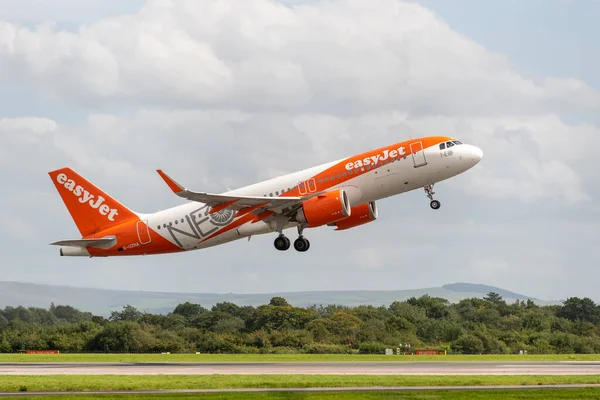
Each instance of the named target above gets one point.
<point>542,394</point>
<point>35,383</point>
<point>286,357</point>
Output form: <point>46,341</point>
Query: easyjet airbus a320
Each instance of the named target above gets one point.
<point>340,193</point>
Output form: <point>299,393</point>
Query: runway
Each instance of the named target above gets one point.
<point>306,368</point>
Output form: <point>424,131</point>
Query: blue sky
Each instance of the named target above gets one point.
<point>541,37</point>
<point>117,93</point>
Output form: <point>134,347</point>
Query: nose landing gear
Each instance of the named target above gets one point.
<point>435,204</point>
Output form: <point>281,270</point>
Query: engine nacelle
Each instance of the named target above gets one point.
<point>360,215</point>
<point>325,209</point>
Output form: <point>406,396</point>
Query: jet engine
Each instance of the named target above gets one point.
<point>359,215</point>
<point>324,209</point>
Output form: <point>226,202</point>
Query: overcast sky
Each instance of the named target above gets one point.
<point>224,94</point>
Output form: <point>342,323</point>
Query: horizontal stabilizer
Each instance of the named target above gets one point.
<point>100,243</point>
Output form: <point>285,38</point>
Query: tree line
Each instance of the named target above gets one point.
<point>471,326</point>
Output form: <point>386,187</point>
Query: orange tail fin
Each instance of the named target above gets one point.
<point>92,209</point>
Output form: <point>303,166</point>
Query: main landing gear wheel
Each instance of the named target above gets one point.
<point>301,244</point>
<point>435,204</point>
<point>282,243</point>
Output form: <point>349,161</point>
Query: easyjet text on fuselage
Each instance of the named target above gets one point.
<point>383,156</point>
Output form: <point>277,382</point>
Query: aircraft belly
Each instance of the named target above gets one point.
<point>387,184</point>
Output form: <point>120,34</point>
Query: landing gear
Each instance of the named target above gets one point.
<point>301,244</point>
<point>282,243</point>
<point>435,204</point>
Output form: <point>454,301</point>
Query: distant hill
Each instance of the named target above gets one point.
<point>478,288</point>
<point>103,301</point>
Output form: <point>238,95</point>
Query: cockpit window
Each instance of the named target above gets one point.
<point>442,146</point>
<point>449,144</point>
<point>456,142</point>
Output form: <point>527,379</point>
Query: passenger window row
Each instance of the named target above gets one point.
<point>342,175</point>
<point>171,223</point>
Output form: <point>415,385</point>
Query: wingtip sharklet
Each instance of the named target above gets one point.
<point>174,186</point>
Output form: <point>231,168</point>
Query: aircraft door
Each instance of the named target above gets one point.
<point>143,232</point>
<point>418,155</point>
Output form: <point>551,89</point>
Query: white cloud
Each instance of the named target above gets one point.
<point>23,127</point>
<point>577,92</point>
<point>343,57</point>
<point>21,138</point>
<point>79,11</point>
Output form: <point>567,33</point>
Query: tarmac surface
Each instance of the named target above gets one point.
<point>307,368</point>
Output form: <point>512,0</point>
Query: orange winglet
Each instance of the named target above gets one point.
<point>222,206</point>
<point>262,215</point>
<point>174,186</point>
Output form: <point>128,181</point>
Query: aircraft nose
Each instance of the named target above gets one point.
<point>473,155</point>
<point>477,153</point>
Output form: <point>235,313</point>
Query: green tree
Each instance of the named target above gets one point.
<point>468,344</point>
<point>576,309</point>
<point>189,310</point>
<point>475,325</point>
<point>435,307</point>
<point>278,301</point>
<point>69,314</point>
<point>129,313</point>
<point>123,336</point>
<point>412,313</point>
<point>229,325</point>
<point>270,317</point>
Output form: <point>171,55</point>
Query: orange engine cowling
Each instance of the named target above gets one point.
<point>360,215</point>
<point>325,209</point>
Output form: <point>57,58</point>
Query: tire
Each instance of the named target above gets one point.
<point>301,245</point>
<point>281,243</point>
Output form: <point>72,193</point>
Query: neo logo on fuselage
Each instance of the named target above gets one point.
<point>85,196</point>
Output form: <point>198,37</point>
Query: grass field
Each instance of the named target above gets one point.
<point>69,383</point>
<point>285,357</point>
<point>551,394</point>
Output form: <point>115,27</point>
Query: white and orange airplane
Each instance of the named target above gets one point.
<point>340,193</point>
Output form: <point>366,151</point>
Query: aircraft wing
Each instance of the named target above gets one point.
<point>102,243</point>
<point>220,202</point>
